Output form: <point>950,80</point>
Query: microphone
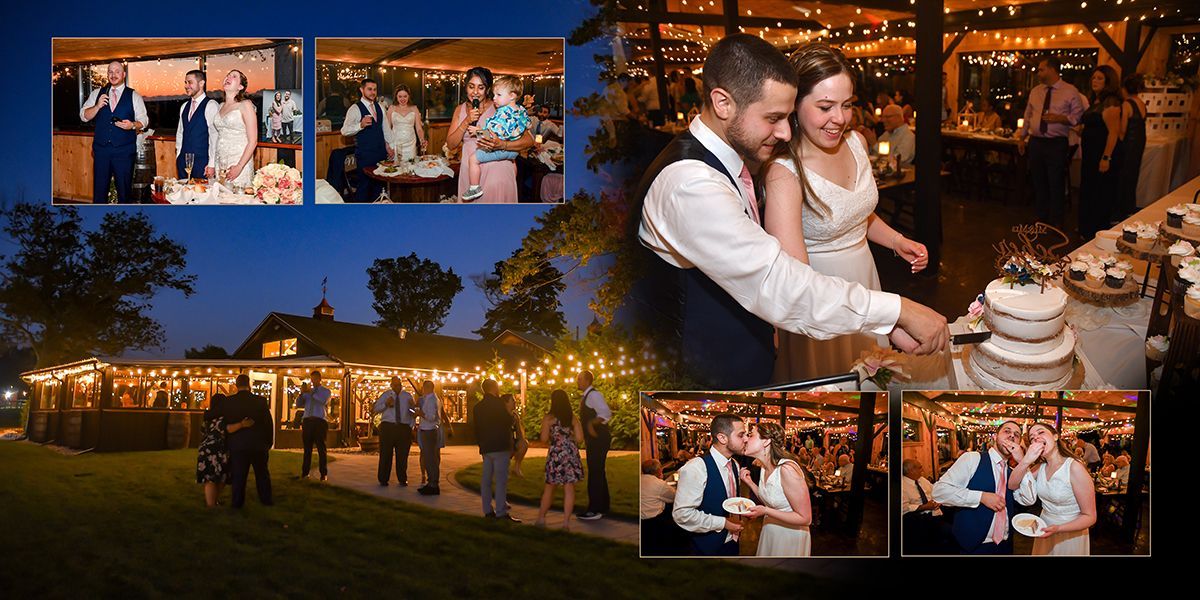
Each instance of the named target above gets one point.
<point>475,103</point>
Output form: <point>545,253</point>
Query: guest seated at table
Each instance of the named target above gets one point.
<point>540,124</point>
<point>898,135</point>
<point>655,494</point>
<point>817,462</point>
<point>988,118</point>
<point>924,527</point>
<point>845,468</point>
<point>857,123</point>
<point>1088,453</point>
<point>1122,468</point>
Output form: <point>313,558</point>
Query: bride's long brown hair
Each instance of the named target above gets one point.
<point>814,62</point>
<point>774,432</point>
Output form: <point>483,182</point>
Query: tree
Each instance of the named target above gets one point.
<point>530,305</point>
<point>208,351</point>
<point>68,293</point>
<point>412,292</point>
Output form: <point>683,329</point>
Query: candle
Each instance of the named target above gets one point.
<point>679,116</point>
<point>1020,123</point>
<point>965,123</point>
<point>878,112</point>
<point>537,139</point>
<point>885,148</point>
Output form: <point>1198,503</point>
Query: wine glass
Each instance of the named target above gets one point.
<point>189,160</point>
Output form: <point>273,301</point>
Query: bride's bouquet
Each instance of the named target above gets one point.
<point>278,183</point>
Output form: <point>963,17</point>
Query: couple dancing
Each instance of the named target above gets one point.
<point>220,137</point>
<point>705,482</point>
<point>1039,467</point>
<point>740,260</point>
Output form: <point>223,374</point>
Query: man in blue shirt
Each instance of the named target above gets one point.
<point>395,431</point>
<point>315,425</point>
<point>430,408</point>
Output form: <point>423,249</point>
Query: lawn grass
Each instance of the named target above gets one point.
<point>134,525</point>
<point>10,417</point>
<point>622,472</point>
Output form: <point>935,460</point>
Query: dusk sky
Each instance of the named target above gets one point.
<point>253,260</point>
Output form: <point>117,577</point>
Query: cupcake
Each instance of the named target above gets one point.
<point>1078,270</point>
<point>1156,347</point>
<point>1129,232</point>
<point>1175,215</point>
<point>1179,251</point>
<point>1147,237</point>
<point>1108,261</point>
<point>1085,257</point>
<point>1190,274</point>
<point>1191,224</point>
<point>1191,302</point>
<point>1094,278</point>
<point>1124,265</point>
<point>1114,278</point>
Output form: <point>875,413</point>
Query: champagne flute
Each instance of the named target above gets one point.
<point>189,160</point>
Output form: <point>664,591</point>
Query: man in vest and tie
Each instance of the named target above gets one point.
<point>196,133</point>
<point>369,127</point>
<point>594,415</point>
<point>720,284</point>
<point>977,484</point>
<point>705,482</point>
<point>119,113</point>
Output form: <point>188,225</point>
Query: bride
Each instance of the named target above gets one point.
<point>820,204</point>
<point>237,132</point>
<point>407,133</point>
<point>1047,470</point>
<point>783,491</point>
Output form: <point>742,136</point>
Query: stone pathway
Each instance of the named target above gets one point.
<point>358,472</point>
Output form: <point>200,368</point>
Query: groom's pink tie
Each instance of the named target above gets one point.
<point>748,183</point>
<point>1002,514</point>
<point>192,110</point>
<point>732,480</point>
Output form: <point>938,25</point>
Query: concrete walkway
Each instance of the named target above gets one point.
<point>358,472</point>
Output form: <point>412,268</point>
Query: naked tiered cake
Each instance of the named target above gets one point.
<point>1031,347</point>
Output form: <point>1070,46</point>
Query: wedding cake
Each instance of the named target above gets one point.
<point>1030,347</point>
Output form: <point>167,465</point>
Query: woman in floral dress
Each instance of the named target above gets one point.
<point>212,464</point>
<point>563,432</point>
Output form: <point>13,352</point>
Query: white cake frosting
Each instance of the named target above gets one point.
<point>1030,344</point>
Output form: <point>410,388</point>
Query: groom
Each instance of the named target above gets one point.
<point>196,133</point>
<point>721,284</point>
<point>979,488</point>
<point>119,113</point>
<point>705,482</point>
<point>367,124</point>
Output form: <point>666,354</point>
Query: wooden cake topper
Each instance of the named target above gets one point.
<point>1034,256</point>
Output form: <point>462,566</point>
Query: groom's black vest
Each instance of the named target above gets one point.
<point>973,525</point>
<point>722,345</point>
<point>711,502</point>
<point>370,146</point>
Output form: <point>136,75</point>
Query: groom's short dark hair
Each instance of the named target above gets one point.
<point>740,64</point>
<point>722,423</point>
<point>198,74</point>
<point>366,81</point>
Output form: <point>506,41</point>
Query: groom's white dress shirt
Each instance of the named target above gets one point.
<point>353,123</point>
<point>689,491</point>
<point>211,111</point>
<point>695,217</point>
<point>951,489</point>
<point>139,105</point>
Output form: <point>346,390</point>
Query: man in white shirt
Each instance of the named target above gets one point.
<point>654,493</point>
<point>898,135</point>
<point>119,113</point>
<point>980,488</point>
<point>646,96</point>
<point>315,426</point>
<point>288,115</point>
<point>700,216</point>
<point>429,436</point>
<point>921,514</point>
<point>196,132</point>
<point>845,468</point>
<point>705,482</point>
<point>368,125</point>
<point>540,124</point>
<point>1091,456</point>
<point>594,415</point>
<point>395,431</point>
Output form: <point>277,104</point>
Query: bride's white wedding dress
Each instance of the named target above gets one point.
<point>1058,507</point>
<point>779,539</point>
<point>404,135</point>
<point>231,143</point>
<point>837,246</point>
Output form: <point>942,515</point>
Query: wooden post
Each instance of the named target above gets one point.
<point>928,213</point>
<point>862,457</point>
<point>1137,469</point>
<point>731,16</point>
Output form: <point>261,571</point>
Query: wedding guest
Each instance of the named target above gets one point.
<point>493,434</point>
<point>646,96</point>
<point>1053,108</point>
<point>540,124</point>
<point>366,123</point>
<point>334,105</point>
<point>250,444</point>
<point>430,434</point>
<point>509,124</point>
<point>1122,470</point>
<point>315,425</point>
<point>520,444</point>
<point>1046,472</point>
<point>563,433</point>
<point>120,114</point>
<point>700,217</point>
<point>395,432</point>
<point>989,119</point>
<point>704,485</point>
<point>301,402</point>
<point>161,398</point>
<point>660,535</point>
<point>899,136</point>
<point>921,514</point>
<point>1088,453</point>
<point>288,115</point>
<point>690,100</point>
<point>979,488</point>
<point>1100,153</point>
<point>196,132</point>
<point>1133,142</point>
<point>498,178</point>
<point>858,124</point>
<point>654,493</point>
<point>212,463</point>
<point>818,459</point>
<point>845,468</point>
<point>595,414</point>
<point>947,108</point>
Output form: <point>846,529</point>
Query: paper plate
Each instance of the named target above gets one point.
<point>1029,525</point>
